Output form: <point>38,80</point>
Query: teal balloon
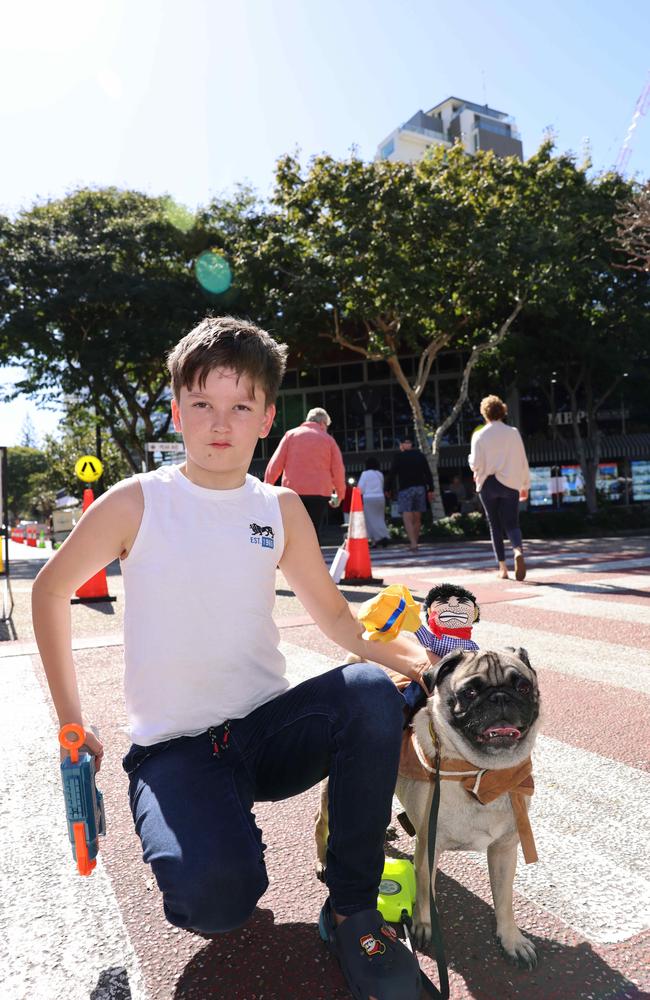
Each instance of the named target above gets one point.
<point>213,272</point>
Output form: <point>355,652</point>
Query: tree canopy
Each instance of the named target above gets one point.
<point>95,288</point>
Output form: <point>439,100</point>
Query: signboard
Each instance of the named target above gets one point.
<point>607,481</point>
<point>88,469</point>
<point>641,480</point>
<point>539,495</point>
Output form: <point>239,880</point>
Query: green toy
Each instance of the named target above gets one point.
<point>397,891</point>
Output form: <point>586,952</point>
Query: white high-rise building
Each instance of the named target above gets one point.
<point>475,126</point>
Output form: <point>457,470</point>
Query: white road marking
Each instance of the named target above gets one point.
<point>603,662</point>
<point>61,935</point>
<point>554,600</point>
<point>593,872</point>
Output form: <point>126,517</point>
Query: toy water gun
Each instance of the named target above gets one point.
<point>388,612</point>
<point>84,803</point>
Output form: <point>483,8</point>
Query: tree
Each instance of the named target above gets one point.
<point>28,435</point>
<point>385,259</point>
<point>592,327</point>
<point>22,464</point>
<point>633,230</point>
<point>95,288</point>
<point>76,437</point>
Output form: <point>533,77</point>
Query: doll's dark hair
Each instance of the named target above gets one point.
<point>446,590</point>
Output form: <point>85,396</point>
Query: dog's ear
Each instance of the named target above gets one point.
<point>521,654</point>
<point>446,666</point>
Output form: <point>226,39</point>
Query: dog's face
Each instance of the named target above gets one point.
<point>486,704</point>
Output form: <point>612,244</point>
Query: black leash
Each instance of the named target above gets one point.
<point>436,932</point>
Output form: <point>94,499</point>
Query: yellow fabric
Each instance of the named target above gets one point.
<point>375,613</point>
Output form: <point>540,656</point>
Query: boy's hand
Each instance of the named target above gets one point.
<point>92,745</point>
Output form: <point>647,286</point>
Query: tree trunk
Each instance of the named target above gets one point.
<point>588,448</point>
<point>420,433</point>
<point>479,349</point>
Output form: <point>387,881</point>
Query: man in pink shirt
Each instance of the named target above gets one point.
<point>311,464</point>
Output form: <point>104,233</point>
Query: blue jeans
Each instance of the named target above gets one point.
<point>501,505</point>
<point>192,804</point>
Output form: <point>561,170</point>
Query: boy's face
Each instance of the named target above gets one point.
<point>221,423</point>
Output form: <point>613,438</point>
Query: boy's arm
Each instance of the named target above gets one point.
<point>106,530</point>
<point>307,575</point>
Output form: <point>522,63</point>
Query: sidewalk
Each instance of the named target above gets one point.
<point>584,616</point>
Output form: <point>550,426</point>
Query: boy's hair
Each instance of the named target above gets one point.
<point>493,408</point>
<point>227,342</point>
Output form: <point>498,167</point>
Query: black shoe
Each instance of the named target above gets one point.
<point>373,960</point>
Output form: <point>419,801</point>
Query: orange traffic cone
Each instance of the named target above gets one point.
<point>17,534</point>
<point>95,589</point>
<point>31,536</point>
<point>358,569</point>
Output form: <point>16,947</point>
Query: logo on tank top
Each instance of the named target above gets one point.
<point>262,534</point>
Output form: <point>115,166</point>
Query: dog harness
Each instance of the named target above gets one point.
<point>485,784</point>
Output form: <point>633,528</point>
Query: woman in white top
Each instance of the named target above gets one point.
<point>498,461</point>
<point>371,484</point>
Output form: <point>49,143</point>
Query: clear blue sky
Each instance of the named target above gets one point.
<point>190,97</point>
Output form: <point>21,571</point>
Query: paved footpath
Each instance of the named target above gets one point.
<point>584,616</point>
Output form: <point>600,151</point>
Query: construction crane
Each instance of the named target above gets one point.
<point>642,106</point>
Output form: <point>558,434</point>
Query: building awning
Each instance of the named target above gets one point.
<point>561,451</point>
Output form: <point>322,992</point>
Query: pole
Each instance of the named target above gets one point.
<point>98,449</point>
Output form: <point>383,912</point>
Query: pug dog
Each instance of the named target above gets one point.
<point>484,708</point>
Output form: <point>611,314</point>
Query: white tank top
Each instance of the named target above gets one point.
<point>200,643</point>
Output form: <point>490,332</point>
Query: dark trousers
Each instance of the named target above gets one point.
<point>501,505</point>
<point>317,509</point>
<point>193,807</point>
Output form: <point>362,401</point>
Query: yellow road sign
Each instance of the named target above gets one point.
<point>88,469</point>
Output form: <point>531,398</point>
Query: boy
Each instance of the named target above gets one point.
<point>213,723</point>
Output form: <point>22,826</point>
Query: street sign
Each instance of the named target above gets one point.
<point>164,446</point>
<point>88,469</point>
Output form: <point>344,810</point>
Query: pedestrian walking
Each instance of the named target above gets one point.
<point>498,461</point>
<point>410,477</point>
<point>214,725</point>
<point>371,485</point>
<point>311,464</point>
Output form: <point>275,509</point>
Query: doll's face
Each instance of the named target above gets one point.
<point>455,612</point>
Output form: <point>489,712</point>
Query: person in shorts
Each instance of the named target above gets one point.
<point>412,482</point>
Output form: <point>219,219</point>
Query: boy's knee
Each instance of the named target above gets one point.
<point>373,698</point>
<point>216,902</point>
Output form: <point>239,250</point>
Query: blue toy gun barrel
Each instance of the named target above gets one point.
<point>84,803</point>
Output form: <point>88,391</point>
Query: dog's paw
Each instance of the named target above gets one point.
<point>421,935</point>
<point>320,871</point>
<point>518,949</point>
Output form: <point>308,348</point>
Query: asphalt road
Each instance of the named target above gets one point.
<point>583,615</point>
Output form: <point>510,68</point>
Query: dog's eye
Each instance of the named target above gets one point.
<point>469,692</point>
<point>522,686</point>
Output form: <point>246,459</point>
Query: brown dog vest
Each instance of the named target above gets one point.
<point>484,784</point>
